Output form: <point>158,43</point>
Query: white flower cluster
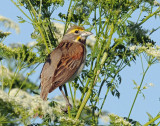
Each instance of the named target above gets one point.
<point>118,121</point>
<point>104,118</point>
<point>4,34</point>
<point>91,41</point>
<point>31,104</point>
<point>60,100</point>
<point>148,85</point>
<point>5,72</point>
<point>151,84</point>
<point>8,49</point>
<point>31,44</point>
<point>9,23</point>
<point>72,121</point>
<point>132,48</point>
<point>59,30</point>
<point>149,50</point>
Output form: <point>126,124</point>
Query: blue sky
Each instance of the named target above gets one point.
<point>121,106</point>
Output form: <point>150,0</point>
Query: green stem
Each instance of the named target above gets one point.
<point>127,15</point>
<point>15,74</point>
<point>104,80</point>
<point>158,123</point>
<point>68,18</point>
<point>83,103</point>
<point>140,14</point>
<point>83,93</point>
<point>110,36</point>
<point>47,35</point>
<point>152,120</point>
<point>95,17</point>
<point>21,10</point>
<point>81,81</point>
<point>74,95</point>
<point>2,76</point>
<point>33,10</point>
<point>27,78</point>
<point>142,64</point>
<point>138,91</point>
<point>43,36</point>
<point>58,20</point>
<point>100,12</point>
<point>103,102</point>
<point>94,48</point>
<point>52,33</point>
<point>119,69</point>
<point>148,17</point>
<point>69,112</point>
<point>97,72</point>
<point>37,23</point>
<point>40,9</point>
<point>71,94</point>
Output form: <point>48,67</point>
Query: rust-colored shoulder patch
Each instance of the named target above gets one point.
<point>77,51</point>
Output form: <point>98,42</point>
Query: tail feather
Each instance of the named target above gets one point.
<point>47,88</point>
<point>53,87</point>
<point>44,93</point>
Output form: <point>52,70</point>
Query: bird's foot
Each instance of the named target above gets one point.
<point>66,108</point>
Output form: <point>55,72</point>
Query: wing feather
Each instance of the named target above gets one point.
<point>62,65</point>
<point>48,70</point>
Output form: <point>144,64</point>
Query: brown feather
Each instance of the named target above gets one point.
<point>60,66</point>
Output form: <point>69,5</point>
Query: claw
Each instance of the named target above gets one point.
<point>65,110</point>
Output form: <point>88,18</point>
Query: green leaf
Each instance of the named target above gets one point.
<point>149,116</point>
<point>21,20</point>
<point>134,82</point>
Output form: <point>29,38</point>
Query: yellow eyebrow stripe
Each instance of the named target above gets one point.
<point>72,31</point>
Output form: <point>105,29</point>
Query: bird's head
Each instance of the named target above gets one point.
<point>77,34</point>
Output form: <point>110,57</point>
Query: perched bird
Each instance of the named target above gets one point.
<point>65,62</point>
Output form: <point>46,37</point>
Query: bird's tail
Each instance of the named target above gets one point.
<point>44,93</point>
<point>45,89</point>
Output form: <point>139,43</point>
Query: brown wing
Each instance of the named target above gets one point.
<point>48,71</point>
<point>61,65</point>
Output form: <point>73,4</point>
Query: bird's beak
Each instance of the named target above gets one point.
<point>86,34</point>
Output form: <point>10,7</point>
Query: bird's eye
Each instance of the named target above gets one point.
<point>76,31</point>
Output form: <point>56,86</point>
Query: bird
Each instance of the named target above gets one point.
<point>65,62</point>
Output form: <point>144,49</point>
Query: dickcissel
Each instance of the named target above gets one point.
<point>65,62</point>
